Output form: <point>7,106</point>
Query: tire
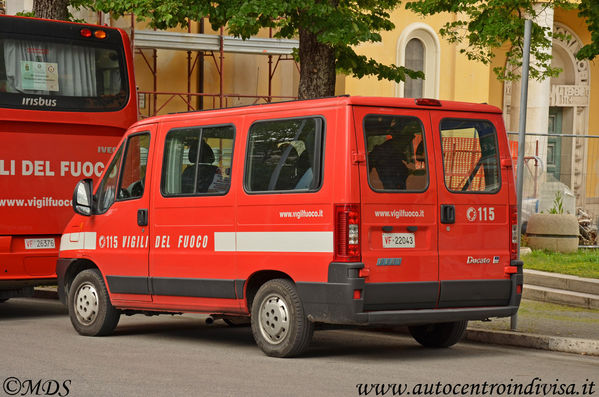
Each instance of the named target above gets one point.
<point>279,324</point>
<point>439,335</point>
<point>90,309</point>
<point>2,300</point>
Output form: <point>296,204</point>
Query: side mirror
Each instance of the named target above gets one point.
<point>82,198</point>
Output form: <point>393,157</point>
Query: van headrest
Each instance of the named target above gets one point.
<point>206,154</point>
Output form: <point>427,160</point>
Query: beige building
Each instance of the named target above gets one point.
<point>190,70</point>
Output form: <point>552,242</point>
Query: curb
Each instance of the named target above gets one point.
<point>559,281</point>
<point>561,289</point>
<point>543,342</point>
<point>560,296</point>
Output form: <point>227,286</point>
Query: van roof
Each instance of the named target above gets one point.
<point>331,101</point>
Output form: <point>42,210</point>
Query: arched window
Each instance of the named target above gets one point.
<point>418,48</point>
<point>414,60</point>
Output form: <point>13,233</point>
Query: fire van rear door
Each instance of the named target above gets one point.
<point>474,234</point>
<point>398,208</point>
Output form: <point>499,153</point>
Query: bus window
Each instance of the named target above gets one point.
<point>48,72</point>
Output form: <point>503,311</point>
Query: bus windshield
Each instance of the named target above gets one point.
<point>42,73</point>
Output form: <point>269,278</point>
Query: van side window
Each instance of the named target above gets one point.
<point>284,155</point>
<point>106,193</point>
<point>197,161</point>
<point>470,155</point>
<point>396,153</point>
<point>133,175</point>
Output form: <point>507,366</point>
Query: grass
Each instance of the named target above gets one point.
<point>583,263</point>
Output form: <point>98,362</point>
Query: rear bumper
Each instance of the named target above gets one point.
<point>334,302</point>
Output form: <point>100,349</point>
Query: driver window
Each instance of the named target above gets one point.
<point>133,176</point>
<point>106,193</point>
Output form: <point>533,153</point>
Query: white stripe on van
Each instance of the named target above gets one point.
<point>78,241</point>
<point>274,241</point>
<point>224,241</point>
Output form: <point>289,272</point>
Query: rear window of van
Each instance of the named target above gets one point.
<point>470,155</point>
<point>396,153</point>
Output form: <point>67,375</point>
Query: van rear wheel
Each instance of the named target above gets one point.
<point>439,335</point>
<point>90,309</point>
<point>279,324</point>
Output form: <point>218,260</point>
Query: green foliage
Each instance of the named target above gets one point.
<point>480,26</point>
<point>558,204</point>
<point>589,10</point>
<point>339,24</point>
<point>26,14</point>
<point>487,25</point>
<point>583,263</point>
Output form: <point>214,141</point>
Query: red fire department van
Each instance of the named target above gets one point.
<point>346,210</point>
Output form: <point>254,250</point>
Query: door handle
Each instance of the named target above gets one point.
<point>447,213</point>
<point>142,217</point>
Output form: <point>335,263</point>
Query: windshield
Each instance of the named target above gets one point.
<point>45,74</point>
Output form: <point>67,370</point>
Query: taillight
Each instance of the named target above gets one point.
<point>427,102</point>
<point>99,34</point>
<point>347,233</point>
<point>514,225</point>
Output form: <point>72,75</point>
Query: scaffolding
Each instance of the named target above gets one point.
<point>146,44</point>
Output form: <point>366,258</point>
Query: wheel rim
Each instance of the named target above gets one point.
<point>86,303</point>
<point>274,319</point>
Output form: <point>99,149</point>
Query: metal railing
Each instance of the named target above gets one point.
<point>561,172</point>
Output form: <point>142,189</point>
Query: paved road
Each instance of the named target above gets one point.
<point>181,356</point>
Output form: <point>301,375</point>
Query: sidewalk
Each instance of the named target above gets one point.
<point>544,326</point>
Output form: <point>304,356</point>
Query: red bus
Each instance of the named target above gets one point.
<point>67,95</point>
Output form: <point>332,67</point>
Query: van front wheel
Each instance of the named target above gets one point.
<point>279,324</point>
<point>90,309</point>
<point>439,335</point>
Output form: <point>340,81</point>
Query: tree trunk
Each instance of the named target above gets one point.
<point>317,67</point>
<point>51,9</point>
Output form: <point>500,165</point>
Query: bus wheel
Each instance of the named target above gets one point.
<point>439,335</point>
<point>279,325</point>
<point>90,309</point>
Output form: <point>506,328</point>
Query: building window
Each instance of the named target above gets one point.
<point>415,61</point>
<point>418,48</point>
